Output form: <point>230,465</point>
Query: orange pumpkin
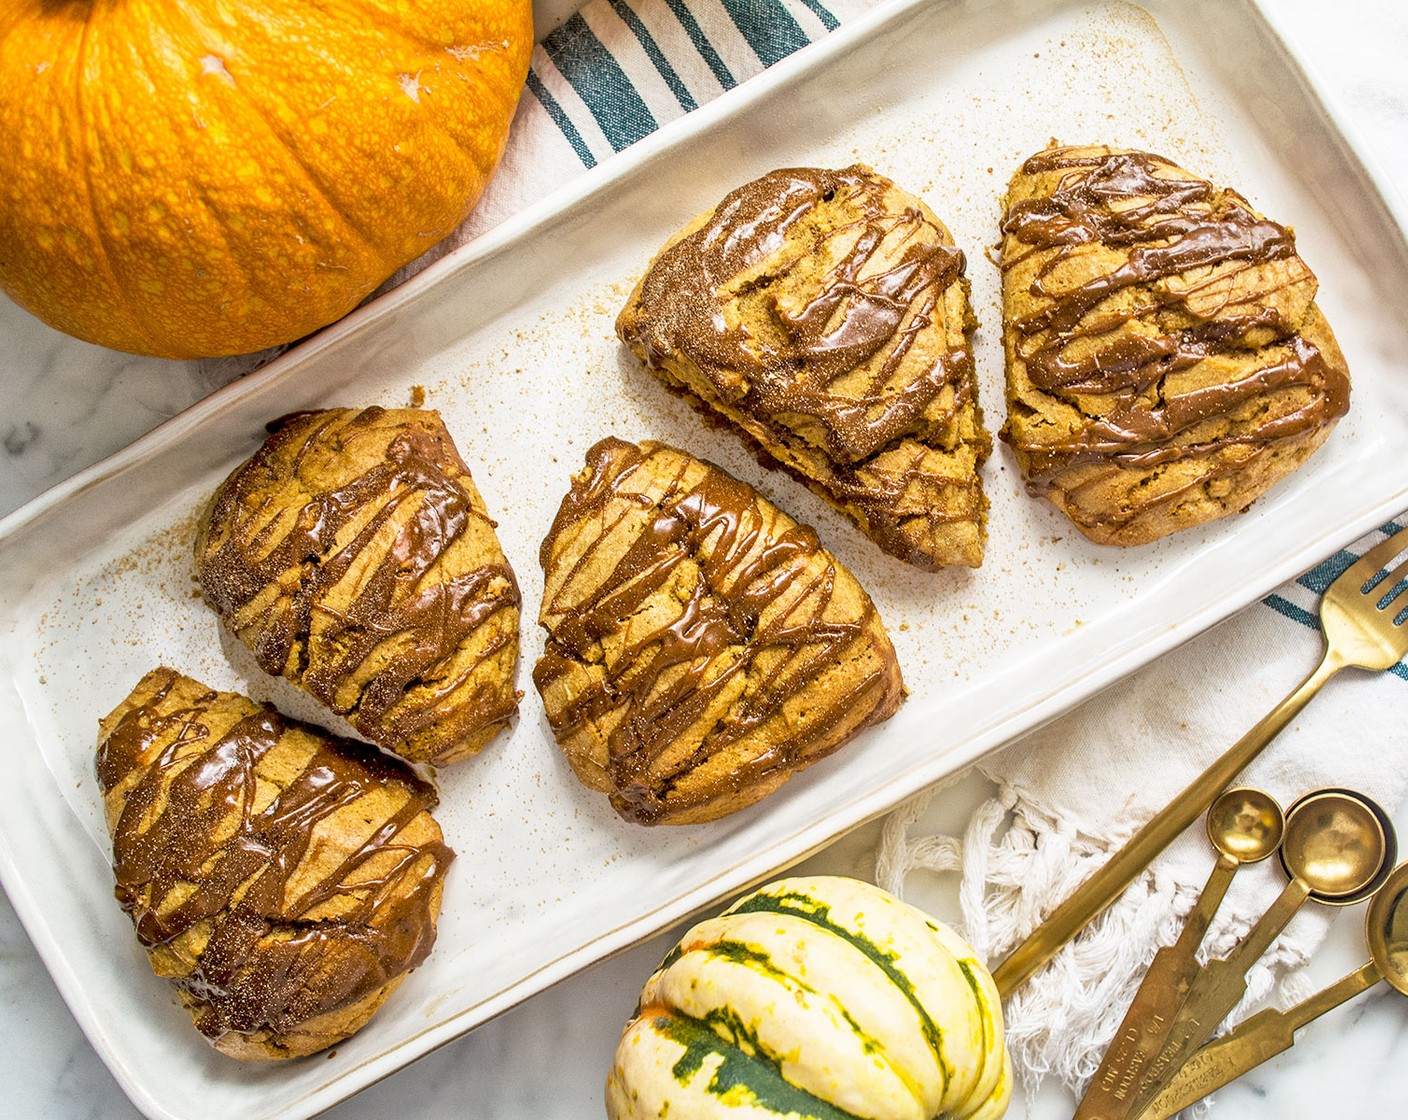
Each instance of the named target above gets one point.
<point>186,178</point>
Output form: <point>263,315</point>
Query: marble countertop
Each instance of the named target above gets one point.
<point>547,1058</point>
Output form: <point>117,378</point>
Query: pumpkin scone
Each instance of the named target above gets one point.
<point>353,554</point>
<point>825,315</point>
<point>701,645</point>
<point>283,880</point>
<point>1166,360</point>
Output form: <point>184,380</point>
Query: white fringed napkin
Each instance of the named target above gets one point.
<point>1069,794</point>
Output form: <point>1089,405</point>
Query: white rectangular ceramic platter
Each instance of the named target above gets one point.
<point>512,341</point>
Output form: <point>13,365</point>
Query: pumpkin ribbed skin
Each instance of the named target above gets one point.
<point>822,998</point>
<point>186,178</point>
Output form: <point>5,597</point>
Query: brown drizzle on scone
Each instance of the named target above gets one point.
<point>761,615</point>
<point>384,655</point>
<point>797,373</point>
<point>1171,235</point>
<point>201,852</point>
<point>851,364</point>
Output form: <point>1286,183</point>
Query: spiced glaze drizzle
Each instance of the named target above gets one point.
<point>764,587</point>
<point>828,361</point>
<point>1165,223</point>
<point>275,569</point>
<point>195,859</point>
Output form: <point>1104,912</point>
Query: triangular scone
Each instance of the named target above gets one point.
<point>354,555</point>
<point>701,645</point>
<point>825,314</point>
<point>1166,360</point>
<point>284,880</point>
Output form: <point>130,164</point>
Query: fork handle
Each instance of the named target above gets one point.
<point>1108,883</point>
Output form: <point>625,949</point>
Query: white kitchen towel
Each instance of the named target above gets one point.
<point>1070,793</point>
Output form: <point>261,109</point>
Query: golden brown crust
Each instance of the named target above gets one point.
<point>354,555</point>
<point>1166,361</point>
<point>283,880</point>
<point>825,315</point>
<point>702,646</point>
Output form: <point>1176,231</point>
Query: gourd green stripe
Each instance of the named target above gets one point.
<point>741,1075</point>
<point>819,914</point>
<point>971,977</point>
<point>754,957</point>
<point>671,957</point>
<point>760,960</point>
<point>751,956</point>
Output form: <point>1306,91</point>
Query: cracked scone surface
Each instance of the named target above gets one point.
<point>701,645</point>
<point>825,315</point>
<point>1166,360</point>
<point>283,880</point>
<point>353,554</point>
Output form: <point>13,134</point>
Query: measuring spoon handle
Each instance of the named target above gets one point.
<point>1216,990</point>
<point>1259,1039</point>
<point>1144,1029</point>
<point>1108,883</point>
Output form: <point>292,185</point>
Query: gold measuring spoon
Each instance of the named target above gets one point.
<point>1269,1032</point>
<point>1337,849</point>
<point>1357,618</point>
<point>1245,826</point>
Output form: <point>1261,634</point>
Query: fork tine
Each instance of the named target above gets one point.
<point>1392,585</point>
<point>1367,566</point>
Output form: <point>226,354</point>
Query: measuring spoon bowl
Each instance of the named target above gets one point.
<point>1338,848</point>
<point>1246,824</point>
<point>1386,929</point>
<point>1340,844</point>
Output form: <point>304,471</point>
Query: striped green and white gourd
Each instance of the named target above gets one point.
<point>822,998</point>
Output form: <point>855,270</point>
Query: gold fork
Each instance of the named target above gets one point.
<point>1359,632</point>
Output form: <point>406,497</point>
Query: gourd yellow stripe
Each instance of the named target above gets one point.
<point>989,1003</point>
<point>901,942</point>
<point>994,1104</point>
<point>753,973</point>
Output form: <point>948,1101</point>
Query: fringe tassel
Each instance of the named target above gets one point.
<point>1060,1021</point>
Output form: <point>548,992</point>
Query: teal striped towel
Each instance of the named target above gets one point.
<point>1300,600</point>
<point>616,71</point>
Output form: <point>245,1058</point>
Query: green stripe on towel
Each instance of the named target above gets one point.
<point>769,28</point>
<point>828,21</point>
<point>701,43</point>
<point>561,119</point>
<point>654,53</point>
<point>600,82</point>
<point>585,54</point>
